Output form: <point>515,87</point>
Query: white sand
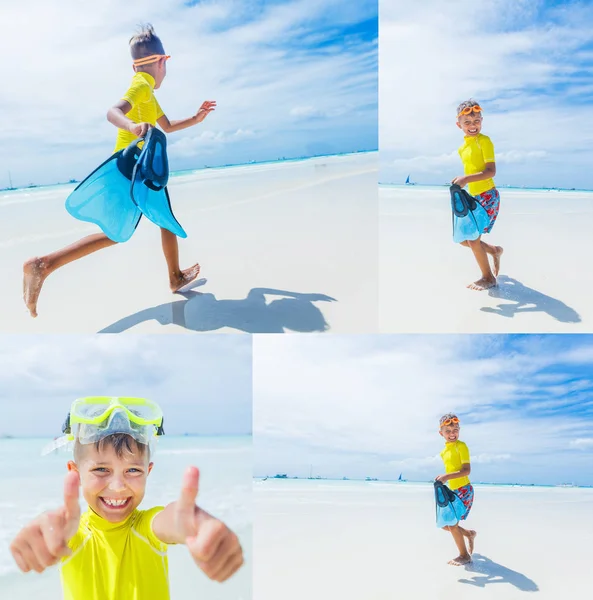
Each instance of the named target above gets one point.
<point>546,283</point>
<point>283,247</point>
<point>377,541</point>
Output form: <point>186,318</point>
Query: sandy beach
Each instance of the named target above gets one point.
<point>545,283</point>
<point>379,541</point>
<point>287,246</point>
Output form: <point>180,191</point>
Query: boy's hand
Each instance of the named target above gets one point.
<point>213,546</point>
<point>206,108</point>
<point>44,542</point>
<point>140,129</point>
<point>442,478</point>
<point>461,181</point>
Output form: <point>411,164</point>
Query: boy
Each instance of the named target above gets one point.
<point>114,551</point>
<point>477,156</point>
<point>457,467</point>
<point>133,115</point>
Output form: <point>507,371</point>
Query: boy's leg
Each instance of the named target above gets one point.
<point>471,535</point>
<point>36,270</point>
<point>458,537</point>
<point>494,251</point>
<point>488,279</point>
<point>177,277</point>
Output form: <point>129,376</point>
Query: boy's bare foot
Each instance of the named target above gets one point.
<point>460,560</point>
<point>34,274</point>
<point>186,277</point>
<point>496,260</point>
<point>470,541</point>
<point>482,284</point>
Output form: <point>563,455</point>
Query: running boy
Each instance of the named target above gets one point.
<point>114,551</point>
<point>133,115</point>
<point>477,156</point>
<point>457,467</point>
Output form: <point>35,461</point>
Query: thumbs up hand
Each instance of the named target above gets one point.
<point>44,541</point>
<point>213,546</point>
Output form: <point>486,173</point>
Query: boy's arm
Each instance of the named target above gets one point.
<point>172,126</point>
<point>116,115</point>
<point>213,546</point>
<point>44,542</point>
<point>463,472</point>
<point>488,172</point>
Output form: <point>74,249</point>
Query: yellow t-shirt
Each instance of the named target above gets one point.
<point>116,561</point>
<point>145,108</point>
<point>475,152</point>
<point>454,455</point>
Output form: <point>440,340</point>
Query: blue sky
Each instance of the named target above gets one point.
<point>361,406</point>
<point>291,78</point>
<point>529,64</point>
<point>202,383</point>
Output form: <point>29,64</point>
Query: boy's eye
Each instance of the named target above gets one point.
<point>100,470</point>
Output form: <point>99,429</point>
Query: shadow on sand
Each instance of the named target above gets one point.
<point>203,312</point>
<point>487,572</point>
<point>528,300</point>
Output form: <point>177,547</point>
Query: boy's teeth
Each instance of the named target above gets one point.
<point>114,502</point>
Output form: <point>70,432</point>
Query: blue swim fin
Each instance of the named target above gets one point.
<point>469,216</point>
<point>149,181</point>
<point>449,507</point>
<point>103,197</point>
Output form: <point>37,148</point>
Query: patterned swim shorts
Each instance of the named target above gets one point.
<point>466,495</point>
<point>490,200</point>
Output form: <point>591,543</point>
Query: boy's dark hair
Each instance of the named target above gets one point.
<point>145,43</point>
<point>122,443</point>
<point>467,104</point>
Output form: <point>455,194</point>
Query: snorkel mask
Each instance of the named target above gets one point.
<point>95,417</point>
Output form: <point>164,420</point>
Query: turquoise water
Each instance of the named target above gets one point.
<point>500,187</point>
<point>32,484</point>
<point>6,193</point>
<point>345,483</point>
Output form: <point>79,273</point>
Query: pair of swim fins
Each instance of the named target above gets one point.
<point>449,507</point>
<point>470,218</point>
<point>129,184</point>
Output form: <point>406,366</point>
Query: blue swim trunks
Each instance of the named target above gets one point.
<point>466,495</point>
<point>490,200</point>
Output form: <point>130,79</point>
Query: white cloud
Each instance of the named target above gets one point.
<point>582,443</point>
<point>375,402</point>
<point>528,72</point>
<point>256,59</point>
<point>203,386</point>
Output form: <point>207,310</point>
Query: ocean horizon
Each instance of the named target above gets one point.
<point>182,172</point>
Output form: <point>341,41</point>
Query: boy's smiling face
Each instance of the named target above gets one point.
<point>450,432</point>
<point>112,486</point>
<point>471,124</point>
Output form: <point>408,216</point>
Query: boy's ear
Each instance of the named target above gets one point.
<point>150,465</point>
<point>458,125</point>
<point>440,432</point>
<point>72,466</point>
